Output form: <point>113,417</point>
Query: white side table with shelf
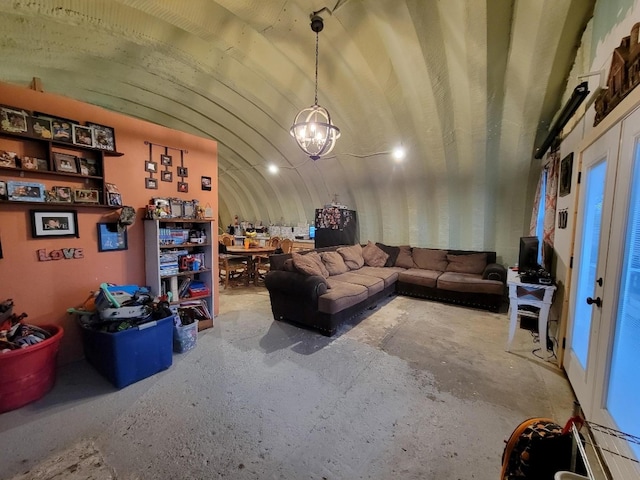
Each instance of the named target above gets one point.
<point>528,294</point>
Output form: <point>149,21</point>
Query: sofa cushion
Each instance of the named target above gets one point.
<point>341,295</point>
<point>352,256</point>
<point>469,282</point>
<point>473,263</point>
<point>391,251</point>
<point>374,256</point>
<point>310,264</point>
<point>373,284</point>
<point>388,274</point>
<point>429,258</point>
<point>334,263</point>
<point>404,260</point>
<point>420,276</point>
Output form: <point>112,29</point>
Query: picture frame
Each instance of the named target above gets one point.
<point>54,223</point>
<point>166,160</point>
<point>114,199</point>
<point>3,190</point>
<point>183,172</point>
<point>65,163</point>
<point>166,176</point>
<point>82,135</point>
<point>88,167</point>
<point>43,164</point>
<point>62,194</point>
<point>29,163</point>
<point>151,183</point>
<point>104,137</point>
<point>150,166</point>
<point>82,195</point>
<point>183,187</point>
<point>8,159</point>
<point>566,172</point>
<point>40,127</point>
<point>13,120</point>
<point>61,130</point>
<point>189,209</point>
<point>162,207</point>
<point>206,183</point>
<point>176,205</point>
<point>18,191</point>
<point>110,239</point>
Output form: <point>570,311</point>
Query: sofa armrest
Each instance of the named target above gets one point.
<point>309,287</point>
<point>495,271</point>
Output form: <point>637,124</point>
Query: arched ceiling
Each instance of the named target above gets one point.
<point>466,86</point>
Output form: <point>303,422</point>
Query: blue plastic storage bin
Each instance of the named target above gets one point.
<point>131,355</point>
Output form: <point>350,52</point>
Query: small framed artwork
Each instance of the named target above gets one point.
<point>151,183</point>
<point>110,238</point>
<point>81,195</point>
<point>8,159</point>
<point>166,160</point>
<point>29,163</point>
<point>206,183</point>
<point>183,187</point>
<point>13,121</point>
<point>25,191</point>
<point>43,164</point>
<point>40,127</point>
<point>166,176</point>
<point>88,166</point>
<point>183,172</point>
<point>61,130</point>
<point>151,166</point>
<point>566,170</point>
<point>62,194</point>
<point>3,190</point>
<point>189,209</point>
<point>65,163</point>
<point>104,137</point>
<point>82,135</point>
<point>114,199</point>
<point>175,204</point>
<point>54,223</point>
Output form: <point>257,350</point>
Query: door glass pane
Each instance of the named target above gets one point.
<point>588,259</point>
<point>624,377</point>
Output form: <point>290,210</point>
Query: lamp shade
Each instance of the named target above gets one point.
<point>313,131</point>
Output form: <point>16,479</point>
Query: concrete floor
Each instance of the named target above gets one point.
<point>411,390</point>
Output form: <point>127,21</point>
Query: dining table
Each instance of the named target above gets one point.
<point>251,253</point>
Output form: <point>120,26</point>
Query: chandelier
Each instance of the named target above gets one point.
<point>312,127</point>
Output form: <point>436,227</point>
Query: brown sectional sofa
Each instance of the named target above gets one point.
<point>322,288</point>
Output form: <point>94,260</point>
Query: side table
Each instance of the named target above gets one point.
<point>531,294</point>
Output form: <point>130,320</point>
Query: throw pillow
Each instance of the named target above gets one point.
<point>430,259</point>
<point>352,256</point>
<point>374,256</point>
<point>334,263</point>
<point>391,251</point>
<point>308,264</point>
<point>405,260</point>
<point>472,263</point>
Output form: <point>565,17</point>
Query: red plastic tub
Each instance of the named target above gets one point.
<point>27,374</point>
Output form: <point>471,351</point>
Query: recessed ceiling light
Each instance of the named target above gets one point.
<point>273,168</point>
<point>398,154</point>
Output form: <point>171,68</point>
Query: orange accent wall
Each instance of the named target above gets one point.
<point>44,290</point>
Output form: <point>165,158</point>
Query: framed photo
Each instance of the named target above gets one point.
<point>43,164</point>
<point>151,183</point>
<point>104,137</point>
<point>13,121</point>
<point>206,183</point>
<point>110,238</point>
<point>65,163</point>
<point>150,166</point>
<point>166,176</point>
<point>29,163</point>
<point>62,194</point>
<point>82,135</point>
<point>566,170</point>
<point>54,223</point>
<point>189,209</point>
<point>175,204</point>
<point>8,159</point>
<point>183,187</point>
<point>114,199</point>
<point>88,166</point>
<point>162,207</point>
<point>25,191</point>
<point>183,172</point>
<point>3,190</point>
<point>81,195</point>
<point>166,160</point>
<point>61,130</point>
<point>40,127</point>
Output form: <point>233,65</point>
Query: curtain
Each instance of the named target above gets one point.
<point>548,178</point>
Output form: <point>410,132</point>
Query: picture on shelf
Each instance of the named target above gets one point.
<point>166,160</point>
<point>29,163</point>
<point>25,191</point>
<point>111,188</point>
<point>110,238</point>
<point>61,130</point>
<point>54,223</point>
<point>86,195</point>
<point>42,164</point>
<point>3,190</point>
<point>62,194</point>
<point>82,135</point>
<point>8,159</point>
<point>40,127</point>
<point>13,121</point>
<point>114,199</point>
<point>166,176</point>
<point>175,204</point>
<point>88,166</point>
<point>103,137</point>
<point>65,163</point>
<point>151,183</point>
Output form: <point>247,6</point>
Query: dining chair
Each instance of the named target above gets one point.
<point>286,245</point>
<point>232,267</point>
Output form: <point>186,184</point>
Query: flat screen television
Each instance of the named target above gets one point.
<point>528,255</point>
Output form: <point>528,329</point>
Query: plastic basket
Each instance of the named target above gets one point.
<point>185,337</point>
